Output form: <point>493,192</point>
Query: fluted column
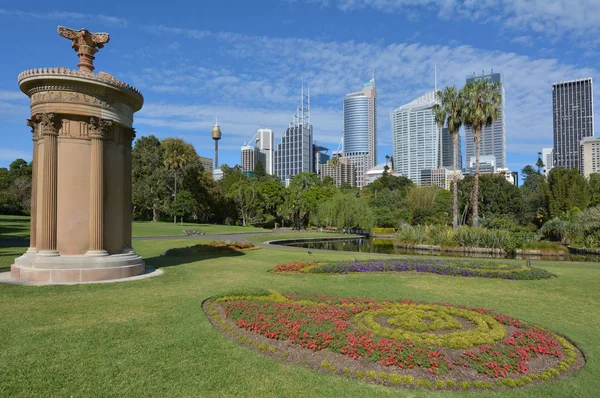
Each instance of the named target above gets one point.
<point>34,163</point>
<point>48,126</point>
<point>98,131</point>
<point>128,138</point>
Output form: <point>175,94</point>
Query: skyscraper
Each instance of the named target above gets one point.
<point>294,154</point>
<point>416,137</point>
<point>547,159</point>
<point>251,155</point>
<point>340,169</point>
<point>360,130</point>
<point>448,151</point>
<point>573,119</point>
<point>493,138</point>
<point>265,142</point>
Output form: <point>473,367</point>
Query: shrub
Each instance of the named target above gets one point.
<point>412,235</point>
<point>558,230</point>
<point>383,231</point>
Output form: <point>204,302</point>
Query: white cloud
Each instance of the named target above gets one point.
<point>6,95</point>
<point>65,16</point>
<point>551,17</point>
<point>525,41</point>
<point>190,33</point>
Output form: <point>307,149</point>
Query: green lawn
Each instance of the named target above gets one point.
<point>298,235</point>
<point>151,338</point>
<point>149,228</point>
<point>18,227</point>
<point>14,226</point>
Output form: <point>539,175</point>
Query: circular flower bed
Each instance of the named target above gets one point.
<point>466,268</point>
<point>396,343</point>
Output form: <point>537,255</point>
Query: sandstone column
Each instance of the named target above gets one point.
<point>34,164</point>
<point>49,132</point>
<point>98,131</point>
<point>128,138</point>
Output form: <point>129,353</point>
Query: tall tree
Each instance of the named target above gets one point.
<point>259,169</point>
<point>177,155</point>
<point>183,205</point>
<point>566,191</point>
<point>148,177</point>
<point>532,190</point>
<point>246,195</point>
<point>448,112</point>
<point>481,102</point>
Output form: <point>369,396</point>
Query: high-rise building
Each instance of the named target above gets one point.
<point>416,137</point>
<point>360,130</point>
<point>265,142</point>
<point>487,165</point>
<point>294,154</point>
<point>251,155</point>
<point>207,163</point>
<point>442,178</point>
<point>493,138</point>
<point>573,119</point>
<point>547,159</point>
<point>590,156</point>
<point>448,151</point>
<point>321,157</point>
<point>341,170</point>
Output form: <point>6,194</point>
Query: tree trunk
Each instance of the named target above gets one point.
<point>454,183</point>
<point>475,204</point>
<point>154,214</point>
<point>175,217</point>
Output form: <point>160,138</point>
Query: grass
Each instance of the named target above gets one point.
<point>14,226</point>
<point>149,228</point>
<point>299,235</point>
<point>18,227</point>
<point>151,338</point>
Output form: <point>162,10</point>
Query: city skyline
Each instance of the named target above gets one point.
<point>192,67</point>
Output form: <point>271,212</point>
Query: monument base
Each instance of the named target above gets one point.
<point>31,267</point>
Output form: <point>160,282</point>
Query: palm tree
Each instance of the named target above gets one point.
<point>177,156</point>
<point>481,101</point>
<point>448,112</point>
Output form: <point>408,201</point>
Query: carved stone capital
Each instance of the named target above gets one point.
<point>99,128</point>
<point>32,125</point>
<point>49,124</point>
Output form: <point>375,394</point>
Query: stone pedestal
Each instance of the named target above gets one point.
<point>81,194</point>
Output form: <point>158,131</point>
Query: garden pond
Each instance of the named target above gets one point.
<point>389,246</point>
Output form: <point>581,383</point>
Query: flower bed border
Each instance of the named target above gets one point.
<point>395,265</point>
<point>326,361</point>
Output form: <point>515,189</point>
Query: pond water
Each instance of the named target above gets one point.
<point>386,246</point>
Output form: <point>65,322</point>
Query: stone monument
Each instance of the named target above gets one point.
<point>81,208</point>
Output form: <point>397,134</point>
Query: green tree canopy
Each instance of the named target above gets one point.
<point>566,190</point>
<point>149,174</point>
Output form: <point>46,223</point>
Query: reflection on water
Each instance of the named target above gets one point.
<point>386,246</point>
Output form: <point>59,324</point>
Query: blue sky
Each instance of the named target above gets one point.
<point>243,61</point>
